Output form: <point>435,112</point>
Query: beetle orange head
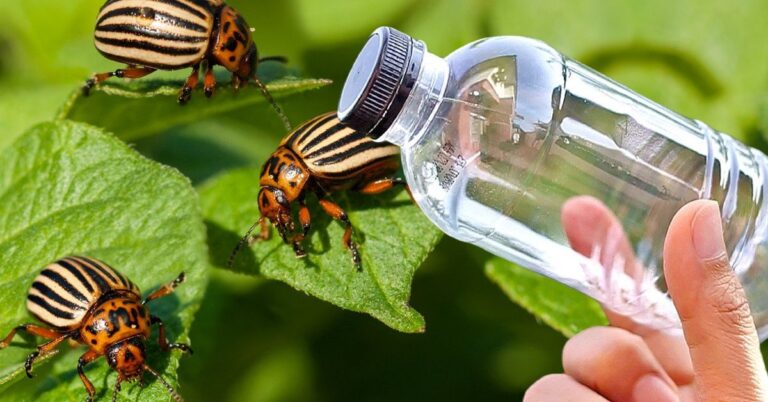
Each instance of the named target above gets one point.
<point>275,206</point>
<point>127,358</point>
<point>248,63</point>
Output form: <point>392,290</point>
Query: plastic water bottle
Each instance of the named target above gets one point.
<point>499,138</point>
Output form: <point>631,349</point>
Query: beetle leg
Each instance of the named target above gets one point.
<point>336,212</point>
<point>32,329</point>
<point>382,185</point>
<point>166,289</point>
<point>210,81</point>
<point>86,358</point>
<point>130,72</point>
<point>41,351</point>
<point>236,82</point>
<point>189,85</point>
<point>163,341</point>
<point>133,72</point>
<point>304,220</point>
<point>263,233</point>
<point>304,217</point>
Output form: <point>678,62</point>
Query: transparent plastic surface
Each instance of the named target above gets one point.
<point>502,135</point>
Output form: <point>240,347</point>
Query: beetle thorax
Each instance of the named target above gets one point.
<point>119,316</point>
<point>286,172</point>
<point>233,45</point>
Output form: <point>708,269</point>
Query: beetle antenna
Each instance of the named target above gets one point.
<point>272,101</point>
<point>175,395</point>
<point>278,59</point>
<point>117,389</point>
<point>242,242</point>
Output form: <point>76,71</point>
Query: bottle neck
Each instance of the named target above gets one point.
<point>422,103</point>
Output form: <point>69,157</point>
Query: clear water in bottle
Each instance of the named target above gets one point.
<point>506,138</point>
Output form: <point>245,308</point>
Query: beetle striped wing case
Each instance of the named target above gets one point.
<point>163,34</point>
<point>334,152</point>
<point>64,291</point>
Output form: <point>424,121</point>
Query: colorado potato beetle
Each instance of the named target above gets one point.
<point>321,156</point>
<point>87,301</point>
<point>151,35</point>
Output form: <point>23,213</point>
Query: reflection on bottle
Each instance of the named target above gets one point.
<point>505,139</point>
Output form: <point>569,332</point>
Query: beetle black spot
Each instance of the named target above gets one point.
<point>240,38</point>
<point>241,25</point>
<point>93,341</point>
<point>129,356</point>
<point>292,184</point>
<point>231,58</point>
<point>231,44</point>
<point>226,26</point>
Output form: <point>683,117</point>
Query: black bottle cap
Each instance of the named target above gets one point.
<point>380,81</point>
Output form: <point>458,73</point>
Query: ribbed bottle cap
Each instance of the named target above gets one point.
<point>380,81</point>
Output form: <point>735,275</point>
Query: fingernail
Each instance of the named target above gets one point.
<point>652,388</point>
<point>708,232</point>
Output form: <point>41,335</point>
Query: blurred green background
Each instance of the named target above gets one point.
<point>262,341</point>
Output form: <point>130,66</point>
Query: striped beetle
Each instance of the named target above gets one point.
<point>321,156</point>
<point>151,35</point>
<point>87,301</point>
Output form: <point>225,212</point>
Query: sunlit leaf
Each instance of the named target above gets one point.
<point>146,106</point>
<point>393,235</point>
<point>557,305</point>
<point>71,189</point>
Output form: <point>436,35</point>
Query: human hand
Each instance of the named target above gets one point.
<point>718,359</point>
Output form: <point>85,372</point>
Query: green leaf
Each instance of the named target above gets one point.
<point>22,107</point>
<point>65,51</point>
<point>68,188</point>
<point>393,236</point>
<point>557,305</point>
<point>632,42</point>
<point>148,106</point>
<point>320,22</point>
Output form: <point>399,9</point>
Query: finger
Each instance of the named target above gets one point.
<point>672,353</point>
<point>560,387</point>
<point>713,307</point>
<point>589,224</point>
<point>613,362</point>
<point>593,229</point>
<point>594,232</point>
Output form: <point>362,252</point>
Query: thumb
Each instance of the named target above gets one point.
<point>717,323</point>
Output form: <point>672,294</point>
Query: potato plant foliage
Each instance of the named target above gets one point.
<point>153,188</point>
<point>69,188</point>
